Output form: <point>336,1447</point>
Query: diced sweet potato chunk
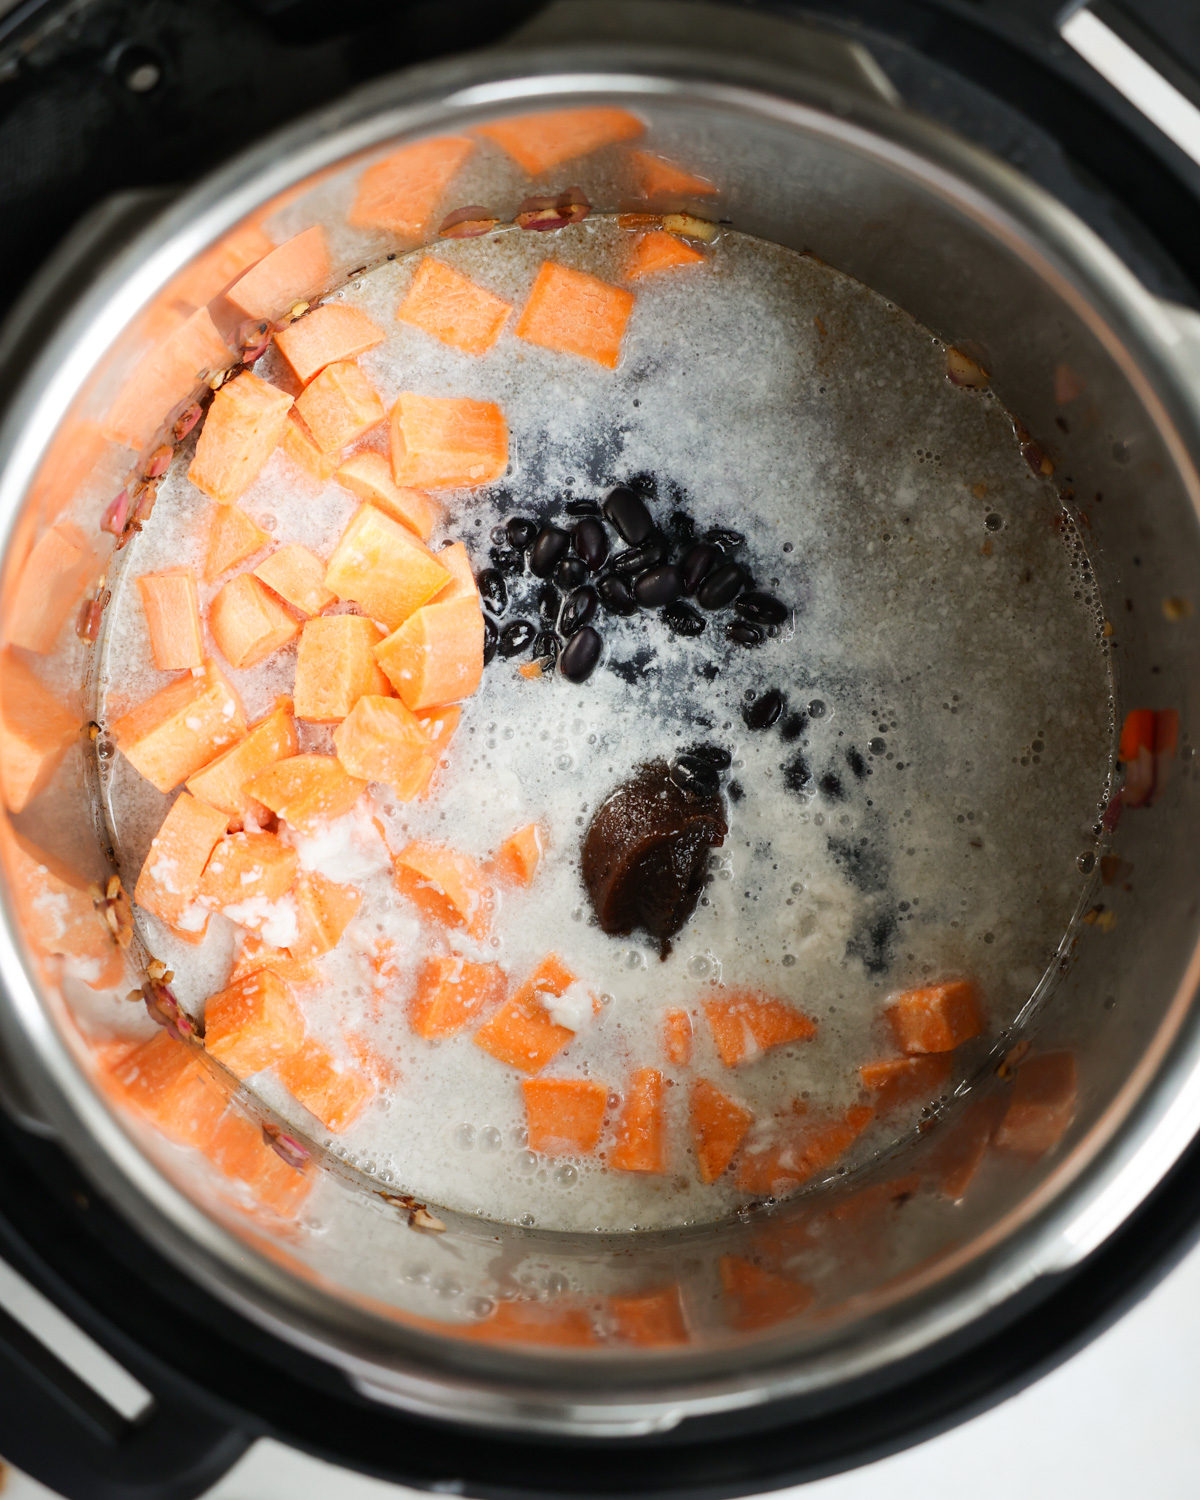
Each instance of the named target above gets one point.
<point>759,1298</point>
<point>564,1115</point>
<point>436,656</point>
<point>209,274</point>
<point>242,429</point>
<point>540,141</point>
<point>641,1144</point>
<point>796,1148</point>
<point>232,538</point>
<point>521,1032</point>
<point>170,876</point>
<point>401,192</point>
<point>447,442</point>
<point>519,856</point>
<point>181,728</point>
<point>222,782</point>
<point>335,667</point>
<point>36,731</point>
<point>168,1083</point>
<point>172,609</point>
<point>253,1024</point>
<point>53,580</point>
<point>306,791</point>
<point>745,1024</point>
<point>439,725</point>
<point>652,1320</point>
<point>326,336</point>
<point>382,567</point>
<point>522,1322</point>
<point>574,313</point>
<point>324,910</point>
<point>896,1081</point>
<point>658,177</point>
<point>337,1096</point>
<point>656,250</point>
<point>961,1145</point>
<point>452,991</point>
<point>248,623</point>
<point>677,1038</point>
<point>298,577</point>
<point>453,557</point>
<point>445,885</point>
<point>238,1150</point>
<point>381,740</point>
<point>164,377</point>
<point>58,913</point>
<point>299,445</point>
<point>339,406</point>
<point>936,1017</point>
<point>293,272</point>
<point>452,308</point>
<point>256,954</point>
<point>718,1124</point>
<point>247,867</point>
<point>368,475</point>
<point>1043,1102</point>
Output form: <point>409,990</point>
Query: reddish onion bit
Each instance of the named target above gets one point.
<point>116,514</point>
<point>286,1147</point>
<point>1038,459</point>
<point>553,212</point>
<point>144,506</point>
<point>186,421</point>
<point>87,627</point>
<point>419,1216</point>
<point>159,461</point>
<point>964,371</point>
<point>1112,813</point>
<point>166,1011</point>
<point>467,223</point>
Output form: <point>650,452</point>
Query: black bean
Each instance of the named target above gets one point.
<point>856,763</point>
<point>721,587</point>
<point>658,586</point>
<point>581,610</point>
<point>616,595</point>
<point>762,609</point>
<point>764,710</point>
<point>744,633</point>
<point>728,541</point>
<point>793,727</point>
<point>695,777</point>
<point>715,755</point>
<point>570,573</point>
<point>580,655</point>
<point>549,602</point>
<point>697,563</point>
<point>590,541</point>
<point>491,637</point>
<point>628,515</point>
<point>515,637</point>
<point>582,507</point>
<point>831,785</point>
<point>683,528</point>
<point>682,619</point>
<point>545,648</point>
<point>505,560</point>
<point>521,531</point>
<point>796,774</point>
<point>647,554</point>
<point>736,791</point>
<point>550,544</point>
<point>493,590</point>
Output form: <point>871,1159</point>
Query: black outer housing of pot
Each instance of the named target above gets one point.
<point>71,133</point>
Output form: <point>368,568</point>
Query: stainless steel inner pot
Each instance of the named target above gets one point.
<point>814,151</point>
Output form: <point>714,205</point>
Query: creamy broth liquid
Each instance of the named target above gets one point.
<point>918,810</point>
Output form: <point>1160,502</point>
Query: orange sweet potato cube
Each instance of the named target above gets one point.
<point>247,622</point>
<point>651,1319</point>
<point>324,910</point>
<point>439,725</point>
<point>209,274</point>
<point>453,557</point>
<point>253,1024</point>
<point>336,1096</point>
<point>181,728</point>
<point>166,375</point>
<point>936,1017</point>
<point>658,177</point>
<point>445,885</point>
<point>641,1133</point>
<point>564,1115</point>
<point>574,313</point>
<point>759,1298</point>
<point>232,538</point>
<point>335,666</point>
<point>1042,1107</point>
<point>58,915</point>
<point>298,443</point>
<point>165,1080</point>
<point>171,874</point>
<point>745,1024</point>
<point>436,656</point>
<point>293,272</point>
<point>306,791</point>
<point>401,192</point>
<point>368,475</point>
<point>452,308</point>
<point>521,1032</point>
<point>241,430</point>
<point>799,1148</point>
<point>326,336</point>
<point>36,731</point>
<point>677,1037</point>
<point>519,856</point>
<point>172,609</point>
<point>298,577</point>
<point>452,991</point>
<point>339,406</point>
<point>222,782</point>
<point>238,1150</point>
<point>447,442</point>
<point>247,867</point>
<point>718,1125</point>
<point>52,582</point>
<point>897,1081</point>
<point>382,740</point>
<point>382,567</point>
<point>255,953</point>
<point>540,141</point>
<point>656,250</point>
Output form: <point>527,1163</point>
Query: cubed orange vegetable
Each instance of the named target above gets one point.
<point>677,1038</point>
<point>166,376</point>
<point>447,886</point>
<point>293,272</point>
<point>298,577</point>
<point>248,623</point>
<point>79,457</point>
<point>381,740</point>
<point>540,141</point>
<point>519,856</point>
<point>210,273</point>
<point>439,725</point>
<point>335,667</point>
<point>52,582</point>
<point>521,1032</point>
<point>168,1083</point>
<point>171,735</point>
<point>324,909</point>
<point>1137,733</point>
<point>326,336</point>
<point>744,1024</point>
<point>337,1096</point>
<point>170,876</point>
<point>718,1124</point>
<point>522,1322</point>
<point>656,250</point>
<point>222,782</point>
<point>658,177</point>
<point>936,1017</point>
<point>382,567</point>
<point>368,475</point>
<point>564,1115</point>
<point>652,1320</point>
<point>447,442</point>
<point>242,429</point>
<point>797,1148</point>
<point>641,1134</point>
<point>306,791</point>
<point>574,313</point>
<point>896,1081</point>
<point>253,1024</point>
<point>758,1298</point>
<point>1044,1096</point>
<point>172,609</point>
<point>961,1144</point>
<point>452,308</point>
<point>453,557</point>
<point>36,731</point>
<point>436,656</point>
<point>452,991</point>
<point>298,443</point>
<point>238,1150</point>
<point>339,406</point>
<point>401,192</point>
<point>232,538</point>
<point>255,954</point>
<point>247,867</point>
<point>58,915</point>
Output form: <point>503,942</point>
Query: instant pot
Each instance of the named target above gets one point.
<point>967,163</point>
